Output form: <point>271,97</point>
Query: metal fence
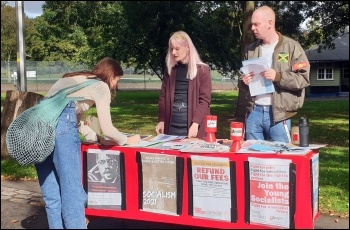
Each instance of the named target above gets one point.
<point>42,75</point>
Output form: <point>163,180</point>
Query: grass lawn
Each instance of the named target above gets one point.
<point>329,124</point>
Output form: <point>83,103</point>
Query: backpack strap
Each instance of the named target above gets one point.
<point>73,88</point>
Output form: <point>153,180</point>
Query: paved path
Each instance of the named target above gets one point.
<point>22,207</point>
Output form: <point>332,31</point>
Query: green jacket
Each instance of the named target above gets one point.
<point>292,76</point>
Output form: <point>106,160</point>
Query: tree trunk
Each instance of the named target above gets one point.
<point>247,38</point>
<point>8,72</point>
<point>15,103</point>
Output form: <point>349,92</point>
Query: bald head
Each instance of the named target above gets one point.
<point>263,24</point>
<point>266,14</point>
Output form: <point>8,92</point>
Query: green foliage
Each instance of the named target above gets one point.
<point>8,33</point>
<point>80,31</point>
<point>214,28</point>
<point>328,20</point>
<point>61,41</point>
<point>34,44</point>
<point>10,169</point>
<point>217,34</point>
<point>146,44</point>
<point>137,32</point>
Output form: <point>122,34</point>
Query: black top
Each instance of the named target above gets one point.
<point>181,83</point>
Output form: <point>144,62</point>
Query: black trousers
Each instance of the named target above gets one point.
<point>178,125</point>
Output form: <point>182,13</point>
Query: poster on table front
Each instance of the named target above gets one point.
<point>104,179</point>
<point>269,191</point>
<point>314,182</point>
<point>158,183</point>
<point>211,187</point>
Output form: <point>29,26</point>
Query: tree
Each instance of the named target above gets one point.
<point>247,38</point>
<point>61,37</point>
<point>213,27</point>
<point>218,29</point>
<point>145,44</point>
<point>327,20</point>
<point>137,32</point>
<point>8,36</point>
<point>35,46</point>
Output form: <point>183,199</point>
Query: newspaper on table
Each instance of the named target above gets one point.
<point>142,136</point>
<point>271,147</point>
<point>104,140</point>
<point>160,138</point>
<point>172,145</point>
<point>205,147</point>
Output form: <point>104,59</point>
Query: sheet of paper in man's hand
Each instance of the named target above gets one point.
<point>258,85</point>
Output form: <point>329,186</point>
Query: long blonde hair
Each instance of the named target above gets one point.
<point>183,39</point>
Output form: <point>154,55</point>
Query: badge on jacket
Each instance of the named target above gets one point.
<point>283,58</point>
<point>299,66</point>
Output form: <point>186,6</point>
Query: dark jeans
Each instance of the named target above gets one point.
<point>178,125</point>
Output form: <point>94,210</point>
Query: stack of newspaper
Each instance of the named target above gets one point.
<point>160,138</point>
<point>274,147</point>
<point>201,146</point>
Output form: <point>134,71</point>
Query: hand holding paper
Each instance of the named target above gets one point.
<point>258,85</point>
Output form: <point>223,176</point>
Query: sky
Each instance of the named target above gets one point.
<point>31,8</point>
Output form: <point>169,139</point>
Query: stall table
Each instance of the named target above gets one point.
<point>304,216</point>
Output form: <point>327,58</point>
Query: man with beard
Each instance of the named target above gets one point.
<point>107,165</point>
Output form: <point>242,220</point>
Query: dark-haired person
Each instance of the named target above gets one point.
<point>60,175</point>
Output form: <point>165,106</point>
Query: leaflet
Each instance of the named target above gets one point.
<point>271,147</point>
<point>258,85</point>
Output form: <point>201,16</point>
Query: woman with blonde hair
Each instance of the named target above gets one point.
<point>185,95</point>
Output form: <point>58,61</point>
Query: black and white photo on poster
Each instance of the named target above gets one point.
<point>104,181</point>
